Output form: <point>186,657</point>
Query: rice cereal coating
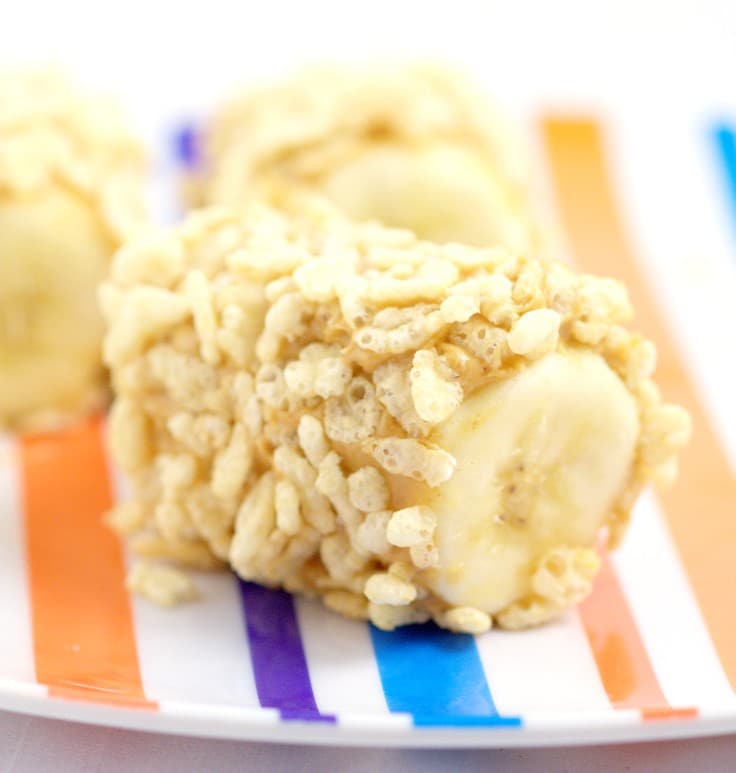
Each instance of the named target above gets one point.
<point>71,190</point>
<point>405,449</point>
<point>413,146</point>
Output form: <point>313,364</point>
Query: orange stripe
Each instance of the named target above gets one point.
<point>619,652</point>
<point>655,714</point>
<point>83,640</point>
<point>700,507</point>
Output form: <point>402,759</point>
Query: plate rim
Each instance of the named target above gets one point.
<point>390,730</point>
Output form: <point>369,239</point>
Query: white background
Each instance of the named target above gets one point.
<point>160,57</point>
<point>168,59</point>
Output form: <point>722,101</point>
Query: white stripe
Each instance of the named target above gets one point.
<point>341,662</point>
<point>602,719</point>
<point>549,668</point>
<point>373,722</point>
<point>16,639</point>
<point>666,175</point>
<point>13,688</point>
<point>196,652</point>
<point>250,714</point>
<point>667,615</point>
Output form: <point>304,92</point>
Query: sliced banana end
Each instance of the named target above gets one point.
<point>50,327</point>
<point>541,459</point>
<point>442,192</point>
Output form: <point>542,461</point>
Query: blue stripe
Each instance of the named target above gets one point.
<point>436,676</point>
<point>463,720</point>
<point>724,141</point>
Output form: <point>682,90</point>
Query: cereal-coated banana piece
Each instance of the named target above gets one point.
<point>405,429</point>
<point>417,147</point>
<point>70,190</point>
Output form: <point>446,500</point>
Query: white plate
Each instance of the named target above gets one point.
<point>651,655</point>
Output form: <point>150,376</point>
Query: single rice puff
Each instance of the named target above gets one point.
<point>416,147</point>
<point>405,430</point>
<point>71,182</point>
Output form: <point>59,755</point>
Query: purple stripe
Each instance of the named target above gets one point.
<point>276,651</point>
<point>186,147</point>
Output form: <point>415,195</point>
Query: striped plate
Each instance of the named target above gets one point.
<point>651,654</point>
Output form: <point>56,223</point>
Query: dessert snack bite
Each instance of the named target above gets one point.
<point>416,147</point>
<point>71,182</point>
<point>403,429</point>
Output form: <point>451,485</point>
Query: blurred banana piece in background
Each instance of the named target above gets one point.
<point>71,190</point>
<point>417,147</point>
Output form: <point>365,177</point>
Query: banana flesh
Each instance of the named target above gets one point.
<point>541,458</point>
<point>442,193</point>
<point>54,254</point>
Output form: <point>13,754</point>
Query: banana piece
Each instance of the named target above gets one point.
<point>541,458</point>
<point>416,147</point>
<point>441,192</point>
<point>49,325</point>
<point>407,430</point>
<point>70,191</point>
